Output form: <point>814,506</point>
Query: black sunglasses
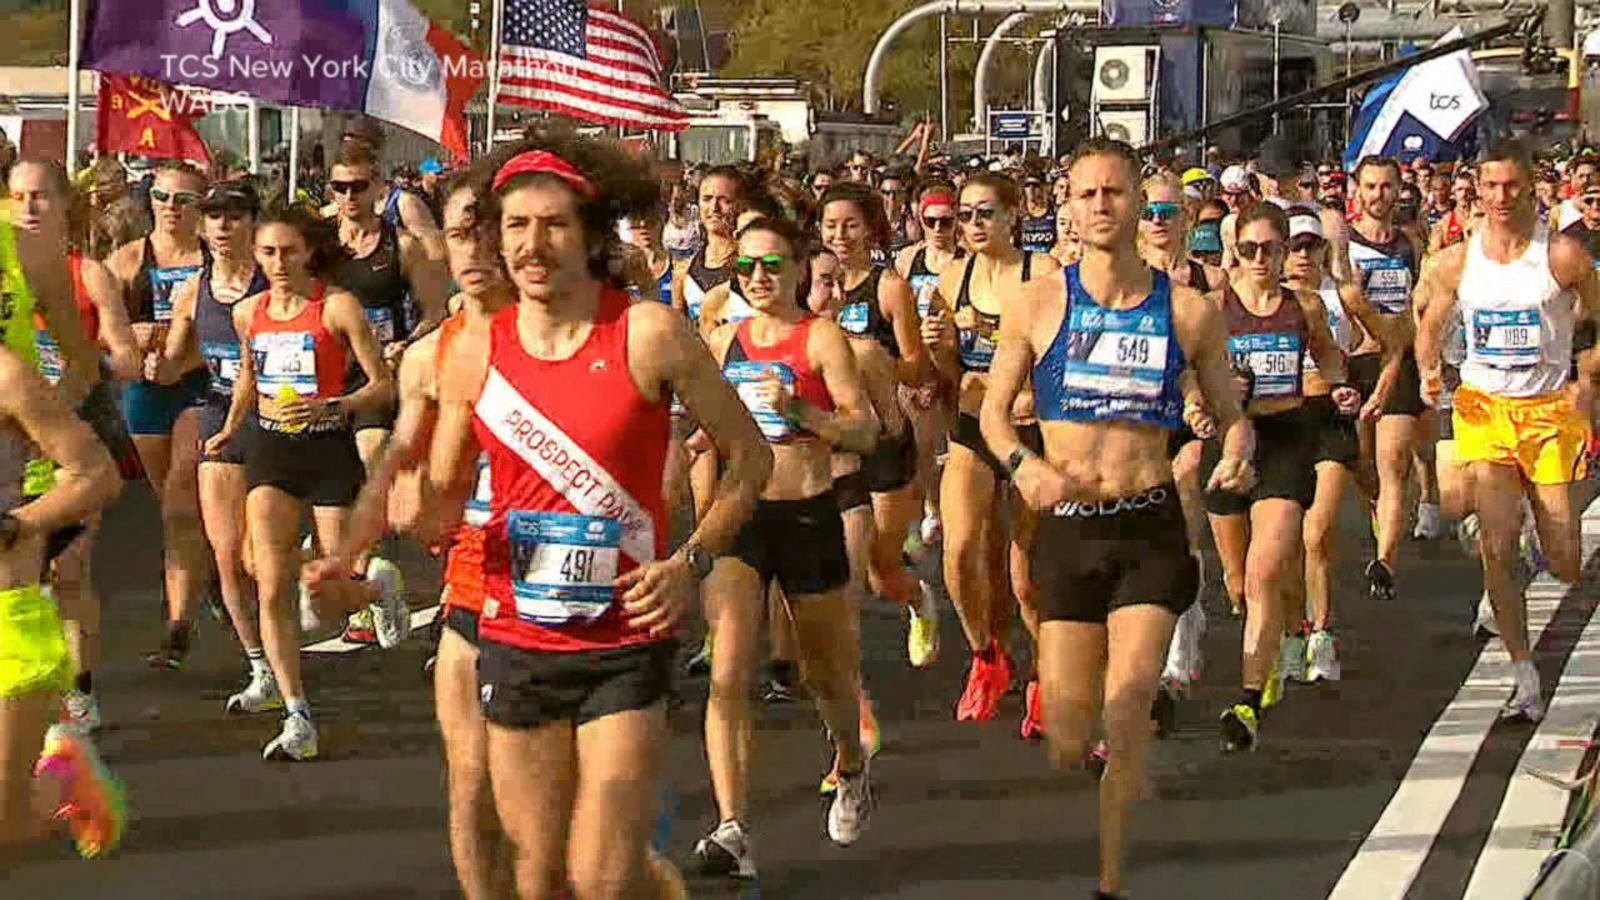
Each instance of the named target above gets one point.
<point>176,198</point>
<point>938,221</point>
<point>1305,243</point>
<point>967,214</point>
<point>359,186</point>
<point>1251,249</point>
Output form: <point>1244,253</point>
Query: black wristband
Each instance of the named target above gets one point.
<point>1017,458</point>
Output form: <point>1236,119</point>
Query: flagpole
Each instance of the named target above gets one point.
<point>294,152</point>
<point>494,71</point>
<point>253,135</point>
<point>75,23</point>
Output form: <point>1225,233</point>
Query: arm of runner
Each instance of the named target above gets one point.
<point>1436,296</point>
<point>343,316</point>
<point>1392,340</point>
<point>1204,338</point>
<point>1041,483</point>
<point>711,308</point>
<point>1327,353</point>
<point>418,220</point>
<point>900,308</point>
<point>429,281</point>
<point>665,355</point>
<point>405,449</point>
<point>1574,269</point>
<point>244,386</point>
<point>852,426</point>
<point>939,337</point>
<point>679,269</point>
<point>454,449</point>
<point>116,334</point>
<point>166,368</point>
<point>86,479</point>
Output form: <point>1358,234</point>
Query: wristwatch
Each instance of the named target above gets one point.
<point>1017,458</point>
<point>699,560</point>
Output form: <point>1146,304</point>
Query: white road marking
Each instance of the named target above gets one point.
<point>1394,851</point>
<point>420,618</point>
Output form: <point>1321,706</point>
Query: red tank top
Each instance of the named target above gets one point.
<point>51,361</point>
<point>463,566</point>
<point>745,364</point>
<point>576,456</point>
<point>298,355</point>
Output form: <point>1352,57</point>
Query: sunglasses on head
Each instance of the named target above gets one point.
<point>773,263</point>
<point>359,186</point>
<point>1305,243</point>
<point>1161,212</point>
<point>176,198</point>
<point>969,214</point>
<point>1249,250</point>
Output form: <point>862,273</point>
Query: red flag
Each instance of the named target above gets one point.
<point>137,115</point>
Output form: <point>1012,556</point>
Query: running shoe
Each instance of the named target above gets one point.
<point>1467,534</point>
<point>310,622</point>
<point>1033,715</point>
<point>1526,703</point>
<point>1099,759</point>
<point>1322,657</point>
<point>80,711</point>
<point>1292,657</point>
<point>1429,527</point>
<point>993,680</point>
<point>1532,552</point>
<point>932,529</point>
<point>94,805</point>
<point>922,633</point>
<point>1380,581</point>
<point>174,650</point>
<point>1164,709</point>
<point>297,742</point>
<point>391,619</point>
<point>778,691</point>
<point>700,663</point>
<point>970,694</point>
<point>870,736</point>
<point>358,628</point>
<point>1240,726</point>
<point>726,851</point>
<point>260,695</point>
<point>1485,626</point>
<point>851,807</point>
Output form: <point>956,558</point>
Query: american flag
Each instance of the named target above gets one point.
<point>567,57</point>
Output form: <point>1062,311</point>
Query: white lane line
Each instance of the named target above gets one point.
<point>1393,853</point>
<point>420,618</point>
<point>1525,830</point>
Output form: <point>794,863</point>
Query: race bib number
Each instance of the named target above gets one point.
<point>1119,361</point>
<point>286,359</point>
<point>162,283</point>
<point>51,361</point>
<point>1507,339</point>
<point>1387,282</point>
<point>381,318</point>
<point>924,286</point>
<point>223,360</point>
<point>477,511</point>
<point>855,318</point>
<point>976,349</point>
<point>1273,360</point>
<point>562,565</point>
<point>747,379</point>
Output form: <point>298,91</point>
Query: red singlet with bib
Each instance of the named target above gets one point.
<point>575,462</point>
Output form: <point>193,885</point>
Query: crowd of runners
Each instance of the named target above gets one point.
<point>623,409</point>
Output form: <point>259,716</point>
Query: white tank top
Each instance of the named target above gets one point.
<point>1518,321</point>
<point>1345,335</point>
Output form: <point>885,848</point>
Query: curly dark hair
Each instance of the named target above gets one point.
<point>867,201</point>
<point>623,186</point>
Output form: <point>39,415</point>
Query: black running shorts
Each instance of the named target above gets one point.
<point>525,689</point>
<point>798,543</point>
<point>1286,444</point>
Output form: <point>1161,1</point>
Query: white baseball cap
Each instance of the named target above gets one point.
<point>1235,180</point>
<point>1305,223</point>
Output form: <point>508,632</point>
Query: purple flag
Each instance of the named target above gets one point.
<point>298,52</point>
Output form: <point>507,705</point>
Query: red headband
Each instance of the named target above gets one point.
<point>936,199</point>
<point>542,161</point>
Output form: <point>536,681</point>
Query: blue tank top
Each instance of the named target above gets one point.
<point>1112,364</point>
<point>213,329</point>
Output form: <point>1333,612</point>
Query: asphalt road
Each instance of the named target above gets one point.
<point>964,810</point>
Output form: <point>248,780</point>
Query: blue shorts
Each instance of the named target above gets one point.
<point>152,409</point>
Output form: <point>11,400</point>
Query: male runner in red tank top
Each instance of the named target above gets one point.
<point>567,395</point>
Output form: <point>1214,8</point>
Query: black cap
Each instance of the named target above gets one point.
<point>232,196</point>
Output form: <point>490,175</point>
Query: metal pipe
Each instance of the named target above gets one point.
<point>980,77</point>
<point>880,50</point>
<point>74,41</point>
<point>944,78</point>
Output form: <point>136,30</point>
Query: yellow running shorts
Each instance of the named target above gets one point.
<point>33,648</point>
<point>1544,437</point>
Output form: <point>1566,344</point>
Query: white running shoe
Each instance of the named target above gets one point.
<point>310,622</point>
<point>851,808</point>
<point>1292,657</point>
<point>1429,527</point>
<point>297,742</point>
<point>260,695</point>
<point>1322,657</point>
<point>726,851</point>
<point>1467,534</point>
<point>1485,624</point>
<point>80,712</point>
<point>932,530</point>
<point>1526,703</point>
<point>391,620</point>
<point>1183,653</point>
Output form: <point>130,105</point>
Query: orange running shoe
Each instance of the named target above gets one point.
<point>95,807</point>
